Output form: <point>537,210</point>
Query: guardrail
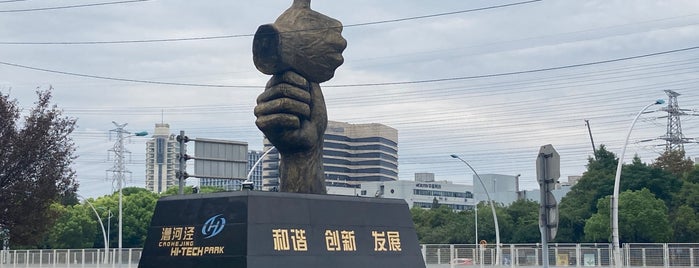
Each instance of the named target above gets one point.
<point>50,258</point>
<point>562,255</point>
<point>436,255</point>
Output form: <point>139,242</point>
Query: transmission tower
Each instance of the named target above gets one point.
<point>119,170</point>
<point>674,139</point>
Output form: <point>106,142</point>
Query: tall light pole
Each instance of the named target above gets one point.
<point>119,169</point>
<point>104,234</point>
<point>248,184</point>
<point>492,207</point>
<point>615,196</point>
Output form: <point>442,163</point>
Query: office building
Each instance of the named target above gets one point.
<point>352,153</point>
<point>161,159</point>
<point>424,192</point>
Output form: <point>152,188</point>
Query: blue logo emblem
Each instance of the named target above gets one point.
<point>213,226</point>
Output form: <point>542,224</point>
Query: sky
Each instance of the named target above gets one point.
<point>490,81</point>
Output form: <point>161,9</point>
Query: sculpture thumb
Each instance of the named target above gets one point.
<point>301,4</point>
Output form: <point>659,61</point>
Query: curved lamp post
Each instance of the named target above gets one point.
<point>250,185</point>
<point>104,234</point>
<point>615,196</point>
<point>492,207</point>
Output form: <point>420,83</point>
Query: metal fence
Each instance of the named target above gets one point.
<point>69,258</point>
<point>562,255</point>
<point>512,255</point>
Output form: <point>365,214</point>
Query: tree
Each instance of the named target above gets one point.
<point>674,162</point>
<point>190,190</point>
<point>643,218</point>
<point>693,175</point>
<point>581,202</point>
<point>139,205</point>
<point>525,221</point>
<point>75,228</point>
<point>684,217</point>
<point>660,182</point>
<point>35,167</point>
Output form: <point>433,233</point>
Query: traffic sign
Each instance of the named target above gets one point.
<point>548,170</point>
<point>548,216</point>
<point>548,162</point>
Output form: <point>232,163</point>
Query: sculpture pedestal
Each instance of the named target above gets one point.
<point>266,229</point>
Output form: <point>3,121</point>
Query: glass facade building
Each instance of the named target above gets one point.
<point>352,153</point>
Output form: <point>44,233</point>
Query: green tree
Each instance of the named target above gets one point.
<point>684,216</point>
<point>525,221</point>
<point>674,162</point>
<point>693,175</point>
<point>685,225</point>
<point>190,190</point>
<point>442,225</point>
<point>138,208</point>
<point>643,218</point>
<point>35,167</point>
<point>581,202</point>
<point>75,228</point>
<point>661,183</point>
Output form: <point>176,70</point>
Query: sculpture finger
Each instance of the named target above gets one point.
<point>288,77</point>
<point>283,106</point>
<point>285,91</point>
<point>270,123</point>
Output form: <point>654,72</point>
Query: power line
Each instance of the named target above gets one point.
<point>517,72</point>
<point>72,6</point>
<point>442,14</point>
<point>250,35</point>
<point>364,84</point>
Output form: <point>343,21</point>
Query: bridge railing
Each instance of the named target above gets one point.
<point>91,257</point>
<point>563,255</point>
<point>436,255</point>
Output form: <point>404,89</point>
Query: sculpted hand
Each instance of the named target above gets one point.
<point>291,113</point>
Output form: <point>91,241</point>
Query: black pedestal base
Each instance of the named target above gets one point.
<point>262,229</point>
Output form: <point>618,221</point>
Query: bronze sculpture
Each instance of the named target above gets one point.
<point>301,49</point>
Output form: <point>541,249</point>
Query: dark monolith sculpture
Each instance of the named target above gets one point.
<point>301,49</point>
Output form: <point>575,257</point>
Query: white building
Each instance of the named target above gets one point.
<point>161,159</point>
<point>423,192</point>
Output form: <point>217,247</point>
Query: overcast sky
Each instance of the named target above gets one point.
<point>491,81</point>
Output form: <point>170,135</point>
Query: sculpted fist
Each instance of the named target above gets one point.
<point>301,49</point>
<point>291,113</point>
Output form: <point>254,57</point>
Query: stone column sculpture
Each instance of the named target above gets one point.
<point>301,49</point>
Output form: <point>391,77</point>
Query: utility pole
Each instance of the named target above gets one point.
<point>594,149</point>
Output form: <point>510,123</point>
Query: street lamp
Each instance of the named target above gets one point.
<point>248,184</point>
<point>492,207</point>
<point>104,234</point>
<point>615,196</point>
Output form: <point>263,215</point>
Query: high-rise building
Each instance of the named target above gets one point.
<point>352,153</point>
<point>161,159</point>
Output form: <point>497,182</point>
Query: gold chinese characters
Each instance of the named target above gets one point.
<point>292,239</point>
